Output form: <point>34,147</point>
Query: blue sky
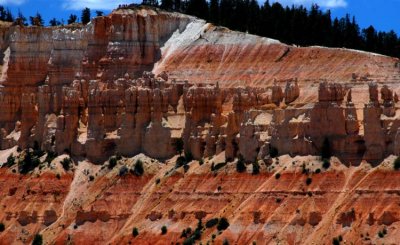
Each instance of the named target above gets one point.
<point>383,14</point>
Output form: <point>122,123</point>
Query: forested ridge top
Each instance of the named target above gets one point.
<point>292,25</point>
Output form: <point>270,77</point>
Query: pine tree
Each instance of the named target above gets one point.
<point>85,17</point>
<point>21,20</point>
<point>198,8</point>
<point>54,22</point>
<point>36,20</point>
<point>214,11</point>
<point>167,4</point>
<point>72,19</point>
<point>177,5</point>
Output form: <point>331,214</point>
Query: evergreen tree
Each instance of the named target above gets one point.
<point>36,20</point>
<point>99,13</point>
<point>72,19</point>
<point>21,20</point>
<point>54,22</point>
<point>150,2</point>
<point>167,4</point>
<point>177,5</point>
<point>85,17</point>
<point>214,11</point>
<point>198,8</point>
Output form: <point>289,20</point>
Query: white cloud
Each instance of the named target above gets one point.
<point>94,4</point>
<point>14,2</point>
<point>321,3</point>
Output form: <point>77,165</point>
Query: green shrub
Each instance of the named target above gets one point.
<point>36,149</point>
<point>164,230</point>
<point>188,156</point>
<point>91,178</point>
<point>256,168</point>
<point>181,161</point>
<point>308,181</point>
<point>326,163</point>
<point>189,241</point>
<point>317,171</point>
<point>123,171</point>
<point>135,232</point>
<point>240,165</point>
<point>66,163</point>
<point>212,222</point>
<point>138,170</point>
<point>2,227</point>
<point>201,162</point>
<point>277,176</point>
<point>51,155</point>
<point>10,161</point>
<point>112,162</point>
<point>28,163</point>
<point>396,164</point>
<point>223,224</point>
<point>37,240</point>
<point>335,241</point>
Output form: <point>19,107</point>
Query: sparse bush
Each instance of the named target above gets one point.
<point>123,171</point>
<point>240,165</point>
<point>158,181</point>
<point>277,176</point>
<point>51,155</point>
<point>326,163</point>
<point>186,168</point>
<point>189,241</point>
<point>66,163</point>
<point>58,176</point>
<point>181,161</point>
<point>36,149</point>
<point>188,156</point>
<point>2,227</point>
<point>396,163</point>
<point>37,240</point>
<point>10,161</point>
<point>256,168</point>
<point>223,224</point>
<point>212,222</point>
<point>112,162</point>
<point>335,241</point>
<point>28,163</point>
<point>138,170</point>
<point>91,178</point>
<point>201,162</point>
<point>317,171</point>
<point>225,242</point>
<point>308,181</point>
<point>213,236</point>
<point>164,230</point>
<point>135,232</point>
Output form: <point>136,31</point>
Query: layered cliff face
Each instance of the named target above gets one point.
<point>129,92</point>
